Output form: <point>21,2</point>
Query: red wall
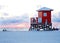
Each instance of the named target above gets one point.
<point>48,17</point>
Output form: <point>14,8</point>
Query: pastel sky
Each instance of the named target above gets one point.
<point>17,13</point>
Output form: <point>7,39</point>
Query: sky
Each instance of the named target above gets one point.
<point>17,12</point>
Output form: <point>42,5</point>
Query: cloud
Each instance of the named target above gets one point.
<point>56,20</point>
<point>1,7</point>
<point>5,14</point>
<point>56,17</point>
<point>15,22</point>
<point>16,19</point>
<point>56,24</point>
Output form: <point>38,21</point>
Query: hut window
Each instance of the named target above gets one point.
<point>39,20</point>
<point>45,14</point>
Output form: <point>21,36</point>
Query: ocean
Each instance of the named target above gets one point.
<point>30,37</point>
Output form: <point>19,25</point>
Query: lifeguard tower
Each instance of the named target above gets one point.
<point>43,21</point>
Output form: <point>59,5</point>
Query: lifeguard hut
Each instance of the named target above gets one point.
<point>43,21</point>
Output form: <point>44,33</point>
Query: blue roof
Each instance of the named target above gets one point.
<point>45,9</point>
